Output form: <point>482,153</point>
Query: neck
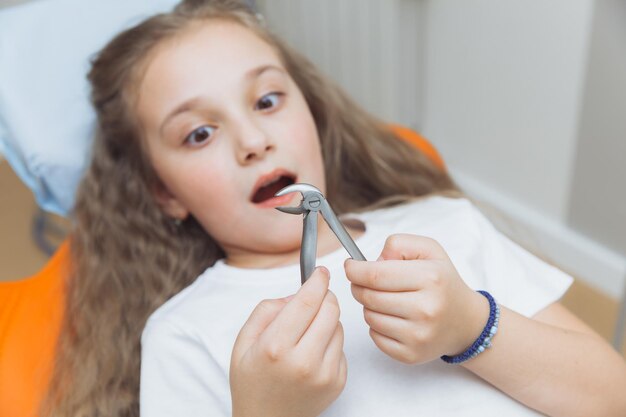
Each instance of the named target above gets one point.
<point>327,242</point>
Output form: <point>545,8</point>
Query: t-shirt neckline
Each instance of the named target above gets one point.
<point>222,271</point>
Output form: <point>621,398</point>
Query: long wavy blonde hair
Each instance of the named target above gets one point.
<point>129,257</point>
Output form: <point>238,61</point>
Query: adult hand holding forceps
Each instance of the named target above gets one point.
<point>313,201</point>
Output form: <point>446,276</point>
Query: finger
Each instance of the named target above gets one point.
<point>291,323</point>
<point>334,349</point>
<point>390,326</point>
<point>333,364</point>
<point>392,275</point>
<point>315,340</point>
<point>342,372</point>
<point>410,247</point>
<point>391,347</point>
<point>260,318</point>
<point>399,304</point>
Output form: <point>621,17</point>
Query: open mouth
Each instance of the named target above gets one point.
<point>269,185</point>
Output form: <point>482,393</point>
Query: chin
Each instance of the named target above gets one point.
<point>284,244</point>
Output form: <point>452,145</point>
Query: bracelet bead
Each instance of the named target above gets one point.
<point>484,340</point>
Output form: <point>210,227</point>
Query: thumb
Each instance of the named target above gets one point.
<point>263,314</point>
<point>410,247</point>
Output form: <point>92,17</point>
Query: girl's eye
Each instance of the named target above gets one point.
<point>268,101</point>
<point>200,135</point>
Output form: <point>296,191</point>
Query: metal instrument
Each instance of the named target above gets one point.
<point>313,201</point>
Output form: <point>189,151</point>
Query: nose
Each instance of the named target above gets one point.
<point>252,142</point>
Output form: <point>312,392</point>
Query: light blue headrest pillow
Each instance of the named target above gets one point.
<point>46,120</point>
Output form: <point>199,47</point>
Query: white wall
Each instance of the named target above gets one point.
<point>372,48</point>
<point>504,101</point>
<point>498,87</point>
<point>598,196</point>
<point>504,85</point>
<point>7,3</point>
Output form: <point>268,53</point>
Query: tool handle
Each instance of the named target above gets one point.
<point>340,231</point>
<point>308,251</point>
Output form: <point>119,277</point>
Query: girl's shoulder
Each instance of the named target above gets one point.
<point>176,311</point>
<point>425,210</point>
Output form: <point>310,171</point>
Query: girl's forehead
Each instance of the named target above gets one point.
<point>224,40</point>
<point>208,59</point>
<point>221,50</point>
<point>217,48</point>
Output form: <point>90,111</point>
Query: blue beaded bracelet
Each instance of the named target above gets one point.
<point>484,340</point>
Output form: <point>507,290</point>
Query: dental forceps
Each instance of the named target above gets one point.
<point>313,201</point>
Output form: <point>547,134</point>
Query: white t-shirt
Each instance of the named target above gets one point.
<point>187,342</point>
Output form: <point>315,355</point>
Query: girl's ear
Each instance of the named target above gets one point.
<point>169,203</point>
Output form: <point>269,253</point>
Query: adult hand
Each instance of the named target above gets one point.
<point>288,359</point>
<point>417,306</point>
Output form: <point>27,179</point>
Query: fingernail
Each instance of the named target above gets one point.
<point>323,270</point>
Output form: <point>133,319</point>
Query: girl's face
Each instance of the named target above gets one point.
<point>226,127</point>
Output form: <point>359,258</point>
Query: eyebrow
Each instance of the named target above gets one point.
<point>187,105</point>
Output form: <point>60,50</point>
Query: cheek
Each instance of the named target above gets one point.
<point>305,137</point>
<point>314,159</point>
<point>205,187</point>
<point>197,183</point>
<point>301,124</point>
<point>215,206</point>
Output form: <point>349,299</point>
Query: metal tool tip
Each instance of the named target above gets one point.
<point>298,187</point>
<point>290,210</point>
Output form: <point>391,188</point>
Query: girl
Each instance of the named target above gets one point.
<point>203,115</point>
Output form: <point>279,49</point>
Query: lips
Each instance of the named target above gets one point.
<point>268,184</point>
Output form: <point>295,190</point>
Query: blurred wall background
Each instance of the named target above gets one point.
<point>526,100</point>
